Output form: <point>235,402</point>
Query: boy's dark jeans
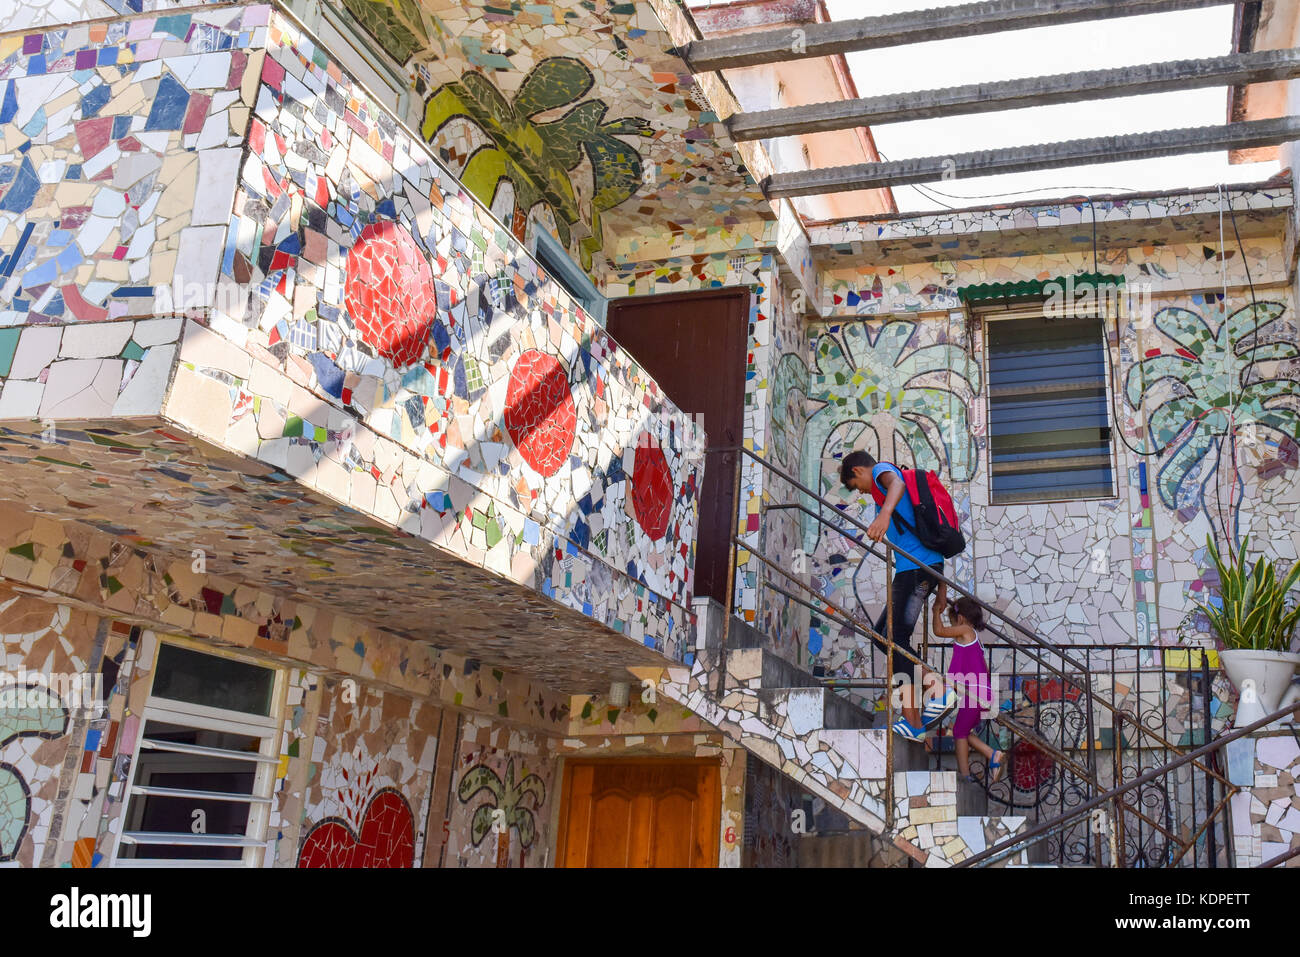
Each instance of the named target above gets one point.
<point>910,590</point>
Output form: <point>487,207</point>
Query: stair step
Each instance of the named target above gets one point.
<point>819,708</point>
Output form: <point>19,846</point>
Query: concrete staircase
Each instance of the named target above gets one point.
<point>831,747</point>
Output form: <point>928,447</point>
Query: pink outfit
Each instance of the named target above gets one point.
<point>971,676</point>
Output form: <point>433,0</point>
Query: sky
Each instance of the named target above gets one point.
<point>1126,41</point>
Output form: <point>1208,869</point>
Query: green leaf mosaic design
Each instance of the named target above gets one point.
<point>863,382</point>
<point>1211,398</point>
<point>537,157</point>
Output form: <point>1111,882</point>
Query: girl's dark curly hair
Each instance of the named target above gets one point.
<point>972,612</point>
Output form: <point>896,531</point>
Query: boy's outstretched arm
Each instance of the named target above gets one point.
<point>894,490</point>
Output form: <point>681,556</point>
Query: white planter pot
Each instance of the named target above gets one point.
<point>1261,678</point>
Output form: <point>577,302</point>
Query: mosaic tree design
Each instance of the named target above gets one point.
<point>1217,389</point>
<point>506,797</point>
<point>537,157</point>
<point>869,391</point>
<point>41,715</point>
<point>791,379</point>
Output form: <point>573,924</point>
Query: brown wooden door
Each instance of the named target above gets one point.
<point>694,345</point>
<point>640,813</point>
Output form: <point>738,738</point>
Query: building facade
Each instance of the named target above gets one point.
<point>331,490</point>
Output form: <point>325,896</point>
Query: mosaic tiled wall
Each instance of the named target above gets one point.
<point>1266,813</point>
<point>573,117</point>
<point>773,395</point>
<point>1119,571</point>
<point>43,722</point>
<point>1160,268</point>
<point>504,787</point>
<point>369,800</point>
<point>469,402</point>
<point>467,354</point>
<point>98,570</point>
<point>123,140</point>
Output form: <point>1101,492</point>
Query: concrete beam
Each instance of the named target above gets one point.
<point>914,26</point>
<point>1233,70</point>
<point>1019,159</point>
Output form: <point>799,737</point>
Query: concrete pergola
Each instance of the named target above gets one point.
<point>976,19</point>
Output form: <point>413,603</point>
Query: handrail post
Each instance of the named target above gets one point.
<point>731,579</point>
<point>1211,845</point>
<point>1094,787</point>
<point>889,688</point>
<point>1118,763</point>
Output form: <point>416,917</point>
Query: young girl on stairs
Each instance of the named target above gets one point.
<point>970,673</point>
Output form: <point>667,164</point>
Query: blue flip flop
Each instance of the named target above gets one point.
<point>996,767</point>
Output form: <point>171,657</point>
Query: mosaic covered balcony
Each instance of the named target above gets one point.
<point>247,316</point>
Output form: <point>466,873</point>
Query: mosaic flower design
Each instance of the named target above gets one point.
<point>540,414</point>
<point>507,797</point>
<point>914,403</point>
<point>389,292</point>
<point>1212,387</point>
<point>40,715</point>
<point>652,491</point>
<point>536,158</point>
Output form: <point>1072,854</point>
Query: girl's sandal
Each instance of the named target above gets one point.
<point>995,766</point>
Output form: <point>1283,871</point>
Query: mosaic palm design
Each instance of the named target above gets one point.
<point>1216,385</point>
<point>869,391</point>
<point>536,157</point>
<point>789,382</point>
<point>507,796</point>
<point>42,715</point>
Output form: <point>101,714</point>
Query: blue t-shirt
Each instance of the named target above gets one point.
<point>904,540</point>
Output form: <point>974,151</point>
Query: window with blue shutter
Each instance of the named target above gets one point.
<point>1049,425</point>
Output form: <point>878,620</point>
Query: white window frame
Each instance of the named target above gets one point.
<point>267,758</point>
<point>1036,310</point>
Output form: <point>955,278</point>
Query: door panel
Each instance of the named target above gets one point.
<point>640,813</point>
<point>694,345</point>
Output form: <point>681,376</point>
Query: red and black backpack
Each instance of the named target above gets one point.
<point>936,516</point>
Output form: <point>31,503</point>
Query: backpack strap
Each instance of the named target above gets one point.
<point>879,497</point>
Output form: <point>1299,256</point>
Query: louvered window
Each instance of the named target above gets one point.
<point>205,765</point>
<point>1049,423</point>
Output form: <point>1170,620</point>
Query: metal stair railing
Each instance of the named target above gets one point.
<point>1037,647</point>
<point>1012,844</point>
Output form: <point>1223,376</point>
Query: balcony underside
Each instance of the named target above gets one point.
<point>150,483</point>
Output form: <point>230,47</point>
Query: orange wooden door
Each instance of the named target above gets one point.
<point>640,813</point>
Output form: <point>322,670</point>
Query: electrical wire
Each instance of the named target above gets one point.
<point>929,192</point>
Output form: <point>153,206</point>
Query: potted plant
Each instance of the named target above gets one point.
<point>1256,630</point>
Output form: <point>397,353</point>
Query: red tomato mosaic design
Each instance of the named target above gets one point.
<point>652,491</point>
<point>387,837</point>
<point>389,292</point>
<point>540,414</point>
